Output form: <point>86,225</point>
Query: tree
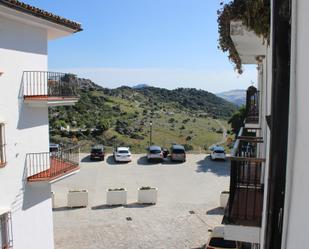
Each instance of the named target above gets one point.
<point>103,125</point>
<point>237,120</point>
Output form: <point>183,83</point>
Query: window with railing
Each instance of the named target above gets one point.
<point>2,146</point>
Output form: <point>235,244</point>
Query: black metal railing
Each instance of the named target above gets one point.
<point>50,165</point>
<point>49,84</point>
<point>252,105</point>
<point>246,183</point>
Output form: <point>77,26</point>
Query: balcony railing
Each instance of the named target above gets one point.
<point>252,105</point>
<point>49,85</point>
<point>246,183</point>
<point>48,166</point>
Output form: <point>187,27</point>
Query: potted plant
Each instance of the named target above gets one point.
<point>224,197</point>
<point>147,195</point>
<point>116,196</point>
<point>78,198</point>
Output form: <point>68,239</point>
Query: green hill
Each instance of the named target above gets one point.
<point>122,116</point>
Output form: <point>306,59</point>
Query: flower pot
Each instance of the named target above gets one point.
<point>116,197</point>
<point>78,198</point>
<point>147,195</point>
<point>224,198</point>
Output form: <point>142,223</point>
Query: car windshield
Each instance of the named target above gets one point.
<point>155,151</point>
<point>178,151</point>
<point>123,152</point>
<point>96,150</point>
<point>219,151</point>
<point>222,243</point>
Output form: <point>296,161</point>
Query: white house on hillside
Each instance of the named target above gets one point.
<point>27,89</point>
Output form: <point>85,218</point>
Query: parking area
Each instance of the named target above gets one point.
<point>188,204</point>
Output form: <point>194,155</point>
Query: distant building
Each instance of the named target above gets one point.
<point>27,89</point>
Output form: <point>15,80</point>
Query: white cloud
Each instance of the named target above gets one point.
<point>210,80</point>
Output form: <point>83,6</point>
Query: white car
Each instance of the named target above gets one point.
<point>218,153</point>
<point>217,241</point>
<point>122,154</point>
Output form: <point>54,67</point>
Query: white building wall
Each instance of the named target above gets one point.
<point>22,48</point>
<point>297,185</point>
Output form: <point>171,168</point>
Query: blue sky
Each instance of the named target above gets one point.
<point>165,43</point>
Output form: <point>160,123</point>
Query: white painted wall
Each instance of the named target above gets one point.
<point>297,193</point>
<point>23,47</point>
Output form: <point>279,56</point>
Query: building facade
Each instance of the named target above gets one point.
<point>27,90</point>
<point>269,188</point>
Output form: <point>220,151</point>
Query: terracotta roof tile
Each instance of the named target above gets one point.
<point>31,10</point>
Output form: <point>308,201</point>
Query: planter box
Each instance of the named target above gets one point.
<point>53,199</point>
<point>224,198</point>
<point>116,197</point>
<point>78,198</point>
<point>147,196</point>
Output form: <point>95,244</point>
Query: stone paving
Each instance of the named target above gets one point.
<point>187,207</point>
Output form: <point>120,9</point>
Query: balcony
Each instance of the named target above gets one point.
<point>252,107</point>
<point>51,166</point>
<point>41,88</point>
<point>245,205</point>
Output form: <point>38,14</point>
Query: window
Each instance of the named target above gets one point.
<point>4,231</point>
<point>2,146</point>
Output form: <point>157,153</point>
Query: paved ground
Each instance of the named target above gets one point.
<point>187,205</point>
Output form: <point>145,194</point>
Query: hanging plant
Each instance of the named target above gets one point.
<point>255,14</point>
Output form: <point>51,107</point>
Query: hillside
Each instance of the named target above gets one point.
<point>237,97</point>
<point>122,116</point>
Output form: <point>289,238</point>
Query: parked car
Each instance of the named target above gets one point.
<point>216,240</point>
<point>155,153</point>
<point>54,147</point>
<point>178,153</point>
<point>218,153</point>
<point>122,154</point>
<point>97,152</point>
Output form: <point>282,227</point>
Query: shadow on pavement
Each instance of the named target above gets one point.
<point>104,206</point>
<point>87,159</point>
<point>220,168</point>
<point>65,208</point>
<point>143,161</point>
<point>138,205</point>
<point>216,211</point>
<point>111,161</point>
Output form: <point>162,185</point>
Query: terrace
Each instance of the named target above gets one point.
<point>42,88</point>
<point>50,166</point>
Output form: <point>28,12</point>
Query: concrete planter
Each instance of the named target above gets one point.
<point>147,195</point>
<point>78,198</point>
<point>224,198</point>
<point>116,197</point>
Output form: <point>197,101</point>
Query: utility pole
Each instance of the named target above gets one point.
<point>150,137</point>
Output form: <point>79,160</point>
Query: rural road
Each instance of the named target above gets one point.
<point>224,134</point>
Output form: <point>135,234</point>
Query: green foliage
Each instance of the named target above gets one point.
<point>116,117</point>
<point>237,120</point>
<point>188,147</point>
<point>255,14</point>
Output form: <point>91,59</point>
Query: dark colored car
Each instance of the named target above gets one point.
<point>97,152</point>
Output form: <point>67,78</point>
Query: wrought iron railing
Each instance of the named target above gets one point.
<point>50,165</point>
<point>37,84</point>
<point>246,183</point>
